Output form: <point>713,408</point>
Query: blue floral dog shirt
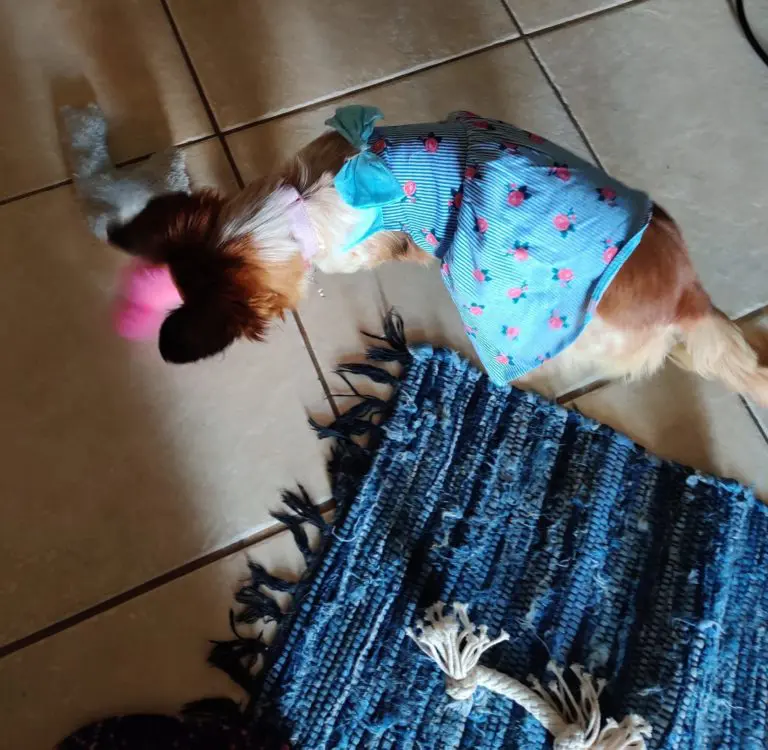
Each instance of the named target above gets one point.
<point>529,235</point>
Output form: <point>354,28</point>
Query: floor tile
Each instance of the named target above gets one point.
<point>256,58</point>
<point>757,17</point>
<point>208,167</point>
<point>534,15</point>
<point>674,101</point>
<point>514,90</point>
<point>122,54</point>
<point>118,467</point>
<point>147,655</point>
<point>684,418</point>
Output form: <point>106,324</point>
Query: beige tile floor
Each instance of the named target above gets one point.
<point>127,484</point>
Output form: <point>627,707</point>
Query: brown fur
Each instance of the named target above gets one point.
<point>658,284</point>
<point>655,307</point>
<point>227,293</point>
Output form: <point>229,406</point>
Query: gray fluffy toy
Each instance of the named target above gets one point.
<point>110,195</point>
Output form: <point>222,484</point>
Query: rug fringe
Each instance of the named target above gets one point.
<point>245,658</point>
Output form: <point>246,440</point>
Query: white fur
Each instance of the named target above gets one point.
<point>271,227</point>
<point>603,352</point>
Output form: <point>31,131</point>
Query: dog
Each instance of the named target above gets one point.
<point>345,203</point>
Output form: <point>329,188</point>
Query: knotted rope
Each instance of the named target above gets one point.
<point>456,645</point>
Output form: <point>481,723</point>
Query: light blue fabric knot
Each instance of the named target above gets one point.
<point>364,181</point>
<point>355,123</point>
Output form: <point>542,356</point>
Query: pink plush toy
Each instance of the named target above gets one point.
<point>110,195</point>
<point>147,295</point>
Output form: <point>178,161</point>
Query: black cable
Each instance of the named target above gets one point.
<point>741,16</point>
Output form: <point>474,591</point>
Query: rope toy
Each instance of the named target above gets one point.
<point>455,644</point>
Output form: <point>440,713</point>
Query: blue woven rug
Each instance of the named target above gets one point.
<point>574,539</point>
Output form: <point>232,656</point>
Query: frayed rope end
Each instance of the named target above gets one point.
<point>451,642</point>
<point>455,644</point>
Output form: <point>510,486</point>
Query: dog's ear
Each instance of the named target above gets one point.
<point>168,224</point>
<point>195,331</point>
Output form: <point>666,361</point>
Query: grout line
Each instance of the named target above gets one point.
<point>201,91</point>
<point>124,163</point>
<point>36,191</point>
<point>757,421</point>
<point>520,35</point>
<point>221,135</point>
<point>196,141</point>
<point>563,103</point>
<point>150,585</point>
<point>511,13</point>
<point>583,390</point>
<point>551,81</point>
<point>316,363</point>
<point>190,67</point>
<point>361,88</point>
<point>330,98</point>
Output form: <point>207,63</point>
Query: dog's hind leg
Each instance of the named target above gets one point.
<point>715,348</point>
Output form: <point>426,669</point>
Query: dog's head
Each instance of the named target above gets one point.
<point>228,293</point>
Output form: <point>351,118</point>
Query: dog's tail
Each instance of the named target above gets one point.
<point>716,348</point>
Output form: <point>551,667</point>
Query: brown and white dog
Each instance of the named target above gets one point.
<point>238,263</point>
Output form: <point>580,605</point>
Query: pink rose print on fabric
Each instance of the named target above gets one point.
<point>606,195</point>
<point>502,359</point>
<point>481,224</point>
<point>509,148</point>
<point>430,237</point>
<point>564,223</point>
<point>483,124</point>
<point>516,293</point>
<point>517,195</point>
<point>475,309</point>
<point>511,332</point>
<point>564,275</point>
<point>409,188</point>
<point>472,172</point>
<point>481,275</point>
<point>533,138</point>
<point>445,269</point>
<point>456,198</point>
<point>471,331</point>
<point>560,171</point>
<point>557,322</point>
<point>431,143</point>
<point>520,252</point>
<point>611,250</point>
<point>379,146</point>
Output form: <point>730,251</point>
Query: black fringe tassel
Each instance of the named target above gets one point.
<point>245,658</point>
